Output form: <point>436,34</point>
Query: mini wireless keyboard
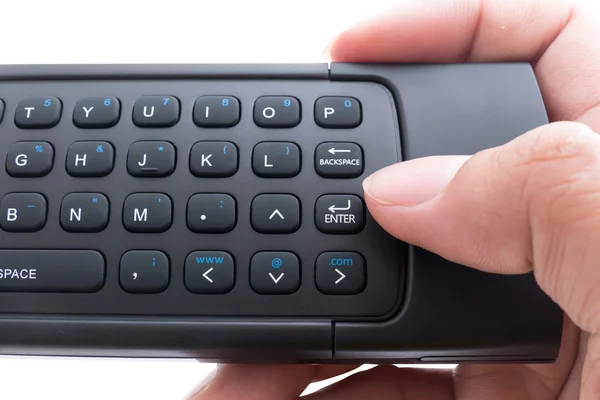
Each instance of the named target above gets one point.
<point>217,212</point>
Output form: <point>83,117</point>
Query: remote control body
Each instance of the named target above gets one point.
<point>217,212</point>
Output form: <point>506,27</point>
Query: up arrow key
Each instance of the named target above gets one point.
<point>276,212</point>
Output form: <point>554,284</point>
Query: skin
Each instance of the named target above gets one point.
<point>532,204</point>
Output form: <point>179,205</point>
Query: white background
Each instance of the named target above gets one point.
<point>109,31</point>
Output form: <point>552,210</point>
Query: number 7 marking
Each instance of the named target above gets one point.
<point>166,99</point>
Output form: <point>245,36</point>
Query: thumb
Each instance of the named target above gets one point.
<point>532,204</point>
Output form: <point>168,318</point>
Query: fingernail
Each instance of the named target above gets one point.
<point>414,182</point>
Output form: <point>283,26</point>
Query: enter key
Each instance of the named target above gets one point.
<point>340,214</point>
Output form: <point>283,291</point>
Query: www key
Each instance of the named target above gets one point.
<point>209,272</point>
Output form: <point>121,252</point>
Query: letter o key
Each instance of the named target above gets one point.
<point>268,112</point>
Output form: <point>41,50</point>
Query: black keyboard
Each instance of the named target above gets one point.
<point>217,212</point>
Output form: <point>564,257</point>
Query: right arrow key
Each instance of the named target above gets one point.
<point>340,273</point>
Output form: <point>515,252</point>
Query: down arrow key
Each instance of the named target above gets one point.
<point>275,272</point>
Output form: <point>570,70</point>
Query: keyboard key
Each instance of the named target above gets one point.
<point>90,159</point>
<point>276,160</point>
<point>338,112</point>
<point>151,159</point>
<point>156,111</point>
<point>339,160</point>
<point>214,159</point>
<point>29,159</point>
<point>51,271</point>
<point>277,112</point>
<point>275,213</point>
<point>84,212</point>
<point>275,272</point>
<point>23,212</point>
<point>209,272</point>
<point>211,213</point>
<point>340,273</point>
<point>340,214</point>
<point>97,112</point>
<point>144,271</point>
<point>38,113</point>
<point>147,212</point>
<point>216,111</point>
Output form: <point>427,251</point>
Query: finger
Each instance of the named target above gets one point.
<point>263,382</point>
<point>590,378</point>
<point>559,36</point>
<point>532,203</point>
<point>390,383</point>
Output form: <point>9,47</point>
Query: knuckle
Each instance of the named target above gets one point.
<point>560,145</point>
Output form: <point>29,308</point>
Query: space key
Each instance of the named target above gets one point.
<point>57,271</point>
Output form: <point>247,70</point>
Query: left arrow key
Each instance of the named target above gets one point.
<point>209,272</point>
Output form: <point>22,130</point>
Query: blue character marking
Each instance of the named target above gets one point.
<point>153,261</point>
<point>30,205</point>
<point>95,200</point>
<point>287,150</point>
<point>276,263</point>
<point>107,102</point>
<point>166,100</point>
<point>348,103</point>
<point>100,149</point>
<point>39,149</point>
<point>225,102</point>
<point>160,148</point>
<point>47,103</point>
<point>287,102</point>
<point>225,149</point>
<point>221,205</point>
<point>341,262</point>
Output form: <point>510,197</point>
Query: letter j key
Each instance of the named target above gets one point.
<point>156,111</point>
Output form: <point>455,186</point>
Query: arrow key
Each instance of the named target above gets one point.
<point>275,213</point>
<point>209,272</point>
<point>275,272</point>
<point>340,273</point>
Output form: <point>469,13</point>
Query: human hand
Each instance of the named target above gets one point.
<point>532,204</point>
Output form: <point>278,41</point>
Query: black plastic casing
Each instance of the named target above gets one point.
<point>446,313</point>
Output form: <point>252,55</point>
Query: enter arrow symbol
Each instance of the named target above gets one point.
<point>276,280</point>
<point>206,275</point>
<point>333,151</point>
<point>333,208</point>
<point>342,276</point>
